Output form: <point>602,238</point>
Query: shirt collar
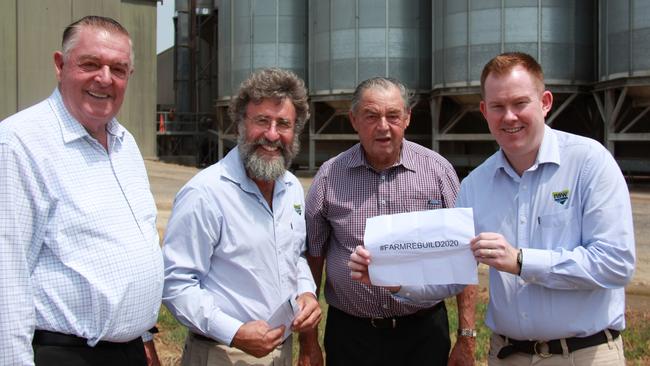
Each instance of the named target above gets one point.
<point>549,152</point>
<point>234,171</point>
<point>406,159</point>
<point>71,128</point>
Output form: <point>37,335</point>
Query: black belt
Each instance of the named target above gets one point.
<point>48,338</point>
<point>553,347</point>
<point>396,321</point>
<point>208,339</point>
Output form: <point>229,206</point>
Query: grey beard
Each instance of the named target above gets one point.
<point>260,168</point>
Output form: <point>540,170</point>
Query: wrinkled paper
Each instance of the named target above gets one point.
<point>421,248</point>
<point>284,315</point>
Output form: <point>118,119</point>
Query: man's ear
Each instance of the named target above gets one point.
<point>547,101</point>
<point>58,64</point>
<point>353,121</point>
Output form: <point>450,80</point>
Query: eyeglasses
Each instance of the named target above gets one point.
<point>265,122</point>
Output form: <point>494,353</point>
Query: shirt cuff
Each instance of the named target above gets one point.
<point>223,328</point>
<point>536,265</point>
<point>413,295</point>
<point>306,286</point>
<point>147,337</point>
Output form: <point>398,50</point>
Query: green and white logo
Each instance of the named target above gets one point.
<point>561,196</point>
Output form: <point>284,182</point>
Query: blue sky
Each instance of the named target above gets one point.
<point>165,26</point>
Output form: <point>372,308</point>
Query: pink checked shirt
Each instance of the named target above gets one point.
<point>345,192</point>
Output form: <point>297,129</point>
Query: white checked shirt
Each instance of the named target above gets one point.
<point>79,250</point>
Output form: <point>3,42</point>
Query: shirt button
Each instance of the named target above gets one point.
<point>382,177</point>
<point>382,202</point>
<point>522,220</point>
<point>385,306</point>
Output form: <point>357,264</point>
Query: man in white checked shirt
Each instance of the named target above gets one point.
<point>80,262</point>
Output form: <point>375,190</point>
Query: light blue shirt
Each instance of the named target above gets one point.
<point>571,214</point>
<point>79,250</point>
<point>229,257</point>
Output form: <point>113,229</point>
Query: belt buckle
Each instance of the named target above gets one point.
<point>393,321</point>
<point>543,348</point>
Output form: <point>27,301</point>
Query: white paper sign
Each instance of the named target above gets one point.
<point>421,248</point>
<point>284,315</point>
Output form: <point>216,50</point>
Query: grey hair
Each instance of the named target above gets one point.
<point>383,83</point>
<point>110,25</point>
<point>271,83</point>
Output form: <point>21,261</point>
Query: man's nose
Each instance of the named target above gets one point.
<point>272,133</point>
<point>104,75</point>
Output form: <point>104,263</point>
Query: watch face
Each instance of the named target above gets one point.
<point>467,332</point>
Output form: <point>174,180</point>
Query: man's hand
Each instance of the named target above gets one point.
<point>309,315</point>
<point>152,355</point>
<point>358,264</point>
<point>463,352</point>
<point>310,351</point>
<point>257,339</point>
<point>495,251</point>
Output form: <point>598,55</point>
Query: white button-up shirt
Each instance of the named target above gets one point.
<point>229,257</point>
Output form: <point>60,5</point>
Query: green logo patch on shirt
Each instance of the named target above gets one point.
<point>561,196</point>
<point>298,208</point>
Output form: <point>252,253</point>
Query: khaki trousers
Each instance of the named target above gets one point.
<point>606,354</point>
<point>200,352</point>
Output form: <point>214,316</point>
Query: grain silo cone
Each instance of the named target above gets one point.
<point>353,40</point>
<point>257,34</point>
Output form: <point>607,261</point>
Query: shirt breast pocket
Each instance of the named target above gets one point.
<point>560,229</point>
<point>420,204</point>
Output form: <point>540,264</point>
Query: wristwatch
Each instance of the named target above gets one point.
<point>520,259</point>
<point>466,332</point>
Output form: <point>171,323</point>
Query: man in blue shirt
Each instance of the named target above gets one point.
<point>554,219</point>
<point>554,222</point>
<point>235,242</point>
<point>80,266</point>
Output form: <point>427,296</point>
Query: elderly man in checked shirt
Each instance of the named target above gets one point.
<point>80,262</point>
<point>383,174</point>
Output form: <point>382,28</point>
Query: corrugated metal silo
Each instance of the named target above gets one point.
<point>623,91</point>
<point>351,41</point>
<point>559,34</point>
<point>468,33</point>
<point>625,39</point>
<point>256,34</point>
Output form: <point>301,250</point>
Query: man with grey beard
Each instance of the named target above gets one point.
<point>234,248</point>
